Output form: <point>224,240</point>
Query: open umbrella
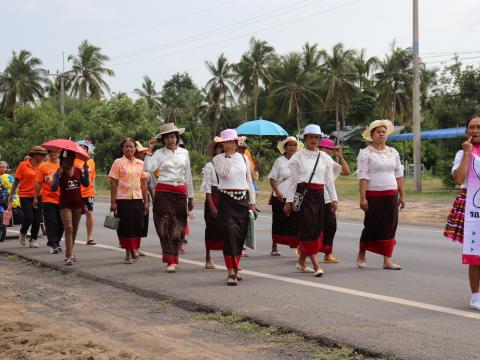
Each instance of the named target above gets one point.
<point>62,144</point>
<point>261,127</point>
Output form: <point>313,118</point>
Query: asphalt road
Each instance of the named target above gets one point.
<point>420,312</point>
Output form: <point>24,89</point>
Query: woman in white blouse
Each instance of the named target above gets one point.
<point>284,228</point>
<point>174,186</point>
<point>213,231</point>
<point>380,175</point>
<point>311,173</point>
<point>237,197</point>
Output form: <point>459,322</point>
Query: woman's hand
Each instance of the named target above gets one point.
<point>279,195</point>
<point>334,206</point>
<point>190,204</point>
<point>85,167</point>
<point>253,207</point>
<point>59,171</point>
<point>145,207</point>
<point>401,202</point>
<point>113,206</point>
<point>288,208</point>
<point>364,204</point>
<point>35,203</point>
<point>213,211</point>
<point>467,146</point>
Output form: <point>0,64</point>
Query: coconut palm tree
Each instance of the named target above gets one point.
<point>21,81</point>
<point>394,82</point>
<point>244,82</point>
<point>149,93</point>
<point>339,78</point>
<point>364,68</point>
<point>293,86</point>
<point>219,87</point>
<point>87,72</point>
<point>311,57</point>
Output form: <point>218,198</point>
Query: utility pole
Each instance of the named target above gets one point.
<point>417,155</point>
<point>62,86</point>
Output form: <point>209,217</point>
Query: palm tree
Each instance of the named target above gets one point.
<point>364,68</point>
<point>339,77</point>
<point>21,81</point>
<point>87,72</point>
<point>243,80</point>
<point>428,79</point>
<point>149,93</point>
<point>219,87</point>
<point>258,58</point>
<point>311,57</point>
<point>293,86</point>
<point>394,82</point>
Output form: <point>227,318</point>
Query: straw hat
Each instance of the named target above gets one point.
<point>327,143</point>
<point>374,124</point>
<point>140,147</point>
<point>229,135</point>
<point>37,150</point>
<point>281,144</point>
<point>169,128</point>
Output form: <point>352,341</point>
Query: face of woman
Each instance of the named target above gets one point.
<point>3,169</point>
<point>312,141</point>
<point>38,158</point>
<point>290,148</point>
<point>229,146</point>
<point>68,162</point>
<point>218,149</point>
<point>170,141</point>
<point>128,149</point>
<point>473,130</point>
<point>53,156</point>
<point>329,151</point>
<point>379,135</point>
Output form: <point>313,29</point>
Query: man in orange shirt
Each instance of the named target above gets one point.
<point>50,201</point>
<point>88,193</point>
<point>25,179</point>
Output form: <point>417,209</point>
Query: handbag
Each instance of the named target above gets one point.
<point>7,215</point>
<point>112,221</point>
<point>299,196</point>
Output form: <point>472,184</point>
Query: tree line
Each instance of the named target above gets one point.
<point>335,88</point>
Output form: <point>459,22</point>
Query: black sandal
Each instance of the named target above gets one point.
<point>232,280</point>
<point>239,278</point>
<point>91,242</point>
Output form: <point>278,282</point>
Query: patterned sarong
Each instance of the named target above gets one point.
<point>471,234</point>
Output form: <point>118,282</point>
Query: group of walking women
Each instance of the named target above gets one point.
<point>304,199</point>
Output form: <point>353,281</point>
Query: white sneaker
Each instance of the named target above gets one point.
<point>50,250</point>
<point>171,268</point>
<point>22,239</point>
<point>304,269</point>
<point>34,244</point>
<point>318,273</point>
<point>475,305</point>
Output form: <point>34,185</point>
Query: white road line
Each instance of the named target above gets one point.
<point>364,294</point>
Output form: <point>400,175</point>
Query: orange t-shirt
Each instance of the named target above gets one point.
<point>88,191</point>
<point>45,174</point>
<point>27,175</point>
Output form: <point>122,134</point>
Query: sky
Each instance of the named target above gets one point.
<point>160,38</point>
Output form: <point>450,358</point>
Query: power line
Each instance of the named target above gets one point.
<point>240,36</point>
<point>246,22</point>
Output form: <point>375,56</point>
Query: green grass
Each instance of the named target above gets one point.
<point>289,339</point>
<point>14,258</point>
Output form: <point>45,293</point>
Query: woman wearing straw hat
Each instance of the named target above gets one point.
<point>237,197</point>
<point>213,231</point>
<point>341,168</point>
<point>284,228</point>
<point>174,186</point>
<point>25,180</point>
<point>311,174</point>
<point>380,173</point>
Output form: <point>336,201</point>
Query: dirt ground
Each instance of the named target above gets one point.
<point>45,314</point>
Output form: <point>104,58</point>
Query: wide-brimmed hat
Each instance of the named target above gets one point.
<point>37,150</point>
<point>229,135</point>
<point>88,144</point>
<point>327,143</point>
<point>242,143</point>
<point>211,148</point>
<point>140,147</point>
<point>312,129</point>
<point>169,128</point>
<point>374,124</point>
<point>281,145</point>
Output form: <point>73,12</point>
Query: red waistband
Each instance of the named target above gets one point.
<point>181,189</point>
<point>375,194</point>
<point>312,186</point>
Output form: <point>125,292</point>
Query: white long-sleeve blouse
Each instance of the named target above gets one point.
<point>234,173</point>
<point>380,168</point>
<point>301,167</point>
<point>174,167</point>
<point>209,178</point>
<point>280,172</point>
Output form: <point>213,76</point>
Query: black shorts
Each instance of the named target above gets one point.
<point>88,202</point>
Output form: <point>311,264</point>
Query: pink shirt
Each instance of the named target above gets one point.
<point>128,173</point>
